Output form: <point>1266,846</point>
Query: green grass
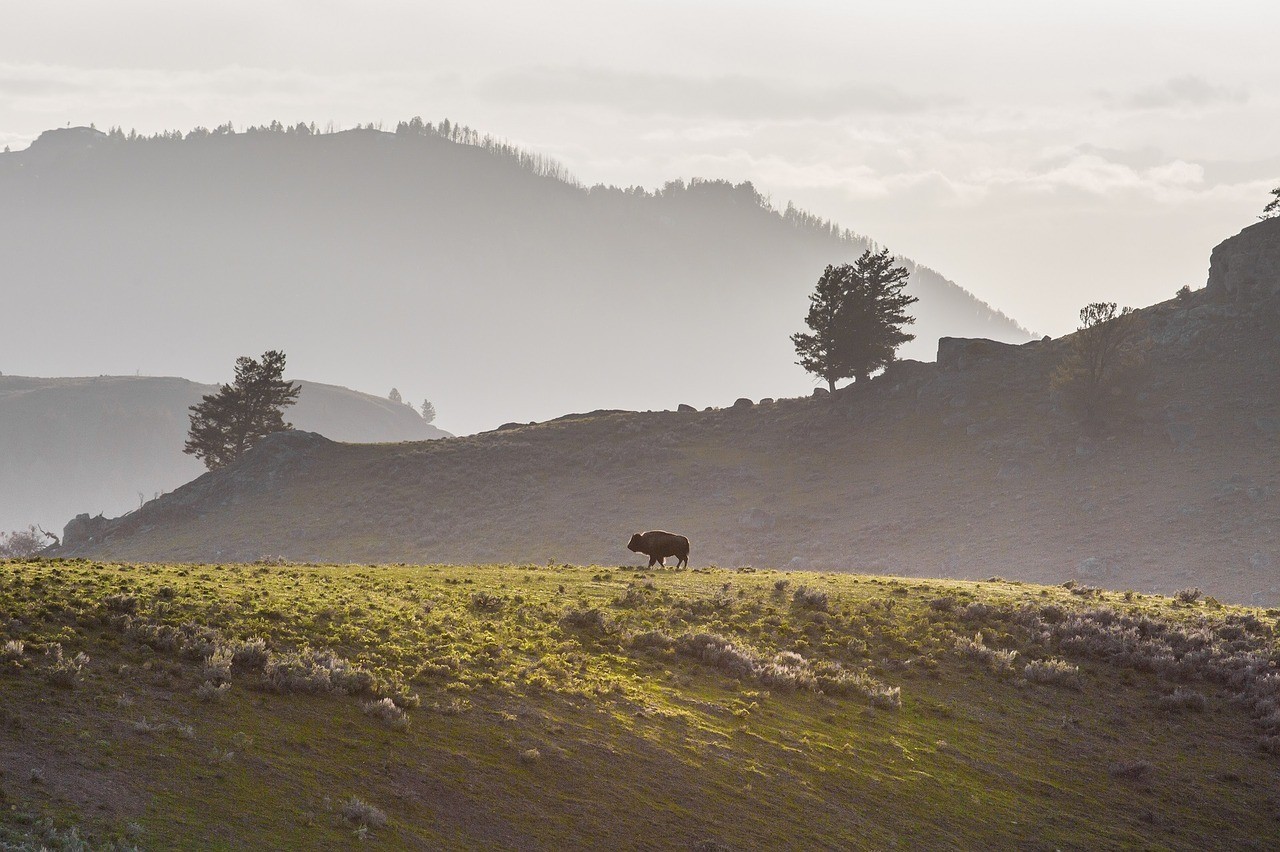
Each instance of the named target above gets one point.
<point>564,706</point>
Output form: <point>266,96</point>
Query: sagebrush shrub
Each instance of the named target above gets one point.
<point>362,814</point>
<point>387,712</point>
<point>808,598</point>
<point>1053,672</point>
<point>1188,596</point>
<point>210,691</point>
<point>1184,699</point>
<point>250,655</point>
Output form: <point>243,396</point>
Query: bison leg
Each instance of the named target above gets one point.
<point>683,561</point>
<point>653,560</point>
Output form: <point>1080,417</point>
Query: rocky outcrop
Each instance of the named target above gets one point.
<point>82,530</point>
<point>1246,267</point>
<point>959,353</point>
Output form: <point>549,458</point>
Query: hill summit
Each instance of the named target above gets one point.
<point>431,258</point>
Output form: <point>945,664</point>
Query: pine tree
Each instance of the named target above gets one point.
<point>428,411</point>
<point>820,353</point>
<point>394,396</point>
<point>1273,207</point>
<point>856,314</point>
<point>226,424</point>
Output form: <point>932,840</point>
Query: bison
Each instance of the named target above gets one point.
<point>658,545</point>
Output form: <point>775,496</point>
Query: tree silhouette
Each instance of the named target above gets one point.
<point>428,411</point>
<point>856,314</point>
<point>1102,359</point>
<point>1273,207</point>
<point>227,423</point>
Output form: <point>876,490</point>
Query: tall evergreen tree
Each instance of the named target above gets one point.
<point>820,352</point>
<point>227,423</point>
<point>856,314</point>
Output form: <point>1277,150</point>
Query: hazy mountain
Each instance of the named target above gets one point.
<point>104,444</point>
<point>965,468</point>
<point>430,259</point>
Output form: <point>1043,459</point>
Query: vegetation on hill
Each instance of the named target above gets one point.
<point>557,706</point>
<point>227,424</point>
<point>856,315</point>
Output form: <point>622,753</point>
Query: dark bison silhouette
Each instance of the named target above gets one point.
<point>658,545</point>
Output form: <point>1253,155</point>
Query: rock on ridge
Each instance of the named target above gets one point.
<point>1246,267</point>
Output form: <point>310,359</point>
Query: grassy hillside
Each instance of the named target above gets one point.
<point>554,706</point>
<point>962,470</point>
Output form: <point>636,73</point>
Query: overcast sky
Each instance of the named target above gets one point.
<point>1040,154</point>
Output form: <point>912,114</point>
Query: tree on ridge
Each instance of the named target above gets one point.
<point>224,425</point>
<point>856,315</point>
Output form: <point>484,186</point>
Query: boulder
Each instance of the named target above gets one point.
<point>742,402</point>
<point>82,530</point>
<point>820,391</point>
<point>1246,267</point>
<point>685,409</point>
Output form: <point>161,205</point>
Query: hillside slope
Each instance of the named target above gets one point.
<point>105,443</point>
<point>409,251</point>
<point>535,707</point>
<point>961,468</point>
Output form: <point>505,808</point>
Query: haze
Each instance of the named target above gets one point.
<point>1040,156</point>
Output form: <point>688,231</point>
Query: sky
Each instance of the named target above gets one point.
<point>1042,155</point>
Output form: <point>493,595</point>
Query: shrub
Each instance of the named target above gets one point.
<point>1134,769</point>
<point>387,712</point>
<point>785,671</point>
<point>218,667</point>
<point>124,604</point>
<point>943,604</point>
<point>781,585</point>
<point>250,655</point>
<point>1053,672</point>
<point>12,653</point>
<point>1188,596</point>
<point>1100,366</point>
<point>1184,699</point>
<point>977,611</point>
<point>486,601</point>
<point>530,755</point>
<point>807,598</point>
<point>361,814</point>
<point>886,697</point>
<point>60,671</point>
<point>590,620</point>
<point>998,660</point>
<point>210,691</point>
<point>309,671</point>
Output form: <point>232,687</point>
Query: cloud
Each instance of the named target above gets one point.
<point>1182,92</point>
<point>736,97</point>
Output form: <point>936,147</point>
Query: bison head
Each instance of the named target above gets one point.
<point>637,542</point>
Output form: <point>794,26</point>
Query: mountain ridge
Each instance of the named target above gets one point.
<point>429,261</point>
